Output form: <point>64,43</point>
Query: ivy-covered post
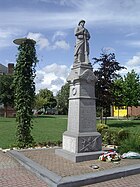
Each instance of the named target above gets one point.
<point>24,87</point>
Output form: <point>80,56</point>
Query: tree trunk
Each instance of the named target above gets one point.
<point>127,112</point>
<point>101,117</point>
<point>5,111</point>
<point>105,120</point>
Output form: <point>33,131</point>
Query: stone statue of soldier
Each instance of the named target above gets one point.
<point>81,52</point>
<point>81,141</point>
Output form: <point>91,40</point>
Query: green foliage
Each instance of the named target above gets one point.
<point>45,99</point>
<point>132,89</point>
<point>123,134</point>
<point>109,137</point>
<point>114,136</point>
<point>101,127</point>
<point>24,87</point>
<point>118,90</point>
<point>127,90</point>
<point>106,74</point>
<point>62,99</point>
<point>6,91</point>
<point>132,143</point>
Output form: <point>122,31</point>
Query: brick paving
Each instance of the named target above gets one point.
<point>12,174</point>
<point>130,181</point>
<point>63,167</point>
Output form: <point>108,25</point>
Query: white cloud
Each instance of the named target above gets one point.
<point>58,35</point>
<point>62,44</point>
<point>43,42</point>
<point>133,63</point>
<point>52,77</point>
<point>121,13</point>
<point>131,34</point>
<point>40,39</point>
<point>60,70</point>
<point>108,50</point>
<point>57,81</point>
<point>9,32</point>
<point>7,35</point>
<point>132,43</point>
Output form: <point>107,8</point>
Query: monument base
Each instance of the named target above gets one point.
<point>78,157</point>
<point>81,147</point>
<point>82,142</point>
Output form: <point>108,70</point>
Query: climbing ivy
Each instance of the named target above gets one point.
<point>24,87</point>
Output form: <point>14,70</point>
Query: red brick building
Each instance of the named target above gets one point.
<point>122,111</point>
<point>9,71</point>
<point>134,111</point>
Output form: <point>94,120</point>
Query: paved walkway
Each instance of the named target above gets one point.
<point>130,181</point>
<point>12,174</point>
<point>62,167</point>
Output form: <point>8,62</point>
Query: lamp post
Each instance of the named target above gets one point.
<point>24,87</point>
<point>20,41</point>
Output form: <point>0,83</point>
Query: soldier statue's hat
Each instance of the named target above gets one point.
<point>81,21</point>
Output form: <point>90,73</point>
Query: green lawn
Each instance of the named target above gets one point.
<point>131,125</point>
<point>46,128</point>
<point>51,128</point>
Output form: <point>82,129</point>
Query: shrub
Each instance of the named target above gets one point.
<point>114,136</point>
<point>122,135</point>
<point>132,143</point>
<point>101,127</point>
<point>109,136</point>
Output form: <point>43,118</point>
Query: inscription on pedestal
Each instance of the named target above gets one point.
<point>73,114</point>
<point>87,115</point>
<point>86,119</point>
<point>69,143</point>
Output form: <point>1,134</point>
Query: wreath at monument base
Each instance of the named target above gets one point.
<point>110,156</point>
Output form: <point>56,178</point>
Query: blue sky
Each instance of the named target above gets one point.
<point>113,25</point>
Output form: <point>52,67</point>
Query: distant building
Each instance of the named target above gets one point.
<point>7,71</point>
<point>10,68</point>
<point>3,69</point>
<point>122,111</point>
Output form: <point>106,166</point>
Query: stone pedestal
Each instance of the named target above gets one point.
<point>81,141</point>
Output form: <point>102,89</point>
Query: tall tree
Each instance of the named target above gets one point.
<point>132,89</point>
<point>118,92</point>
<point>106,74</point>
<point>62,99</point>
<point>6,91</point>
<point>25,91</point>
<point>45,99</point>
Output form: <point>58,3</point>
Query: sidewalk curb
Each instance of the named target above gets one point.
<point>43,173</point>
<point>55,180</point>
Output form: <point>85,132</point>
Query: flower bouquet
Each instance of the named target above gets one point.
<point>110,156</point>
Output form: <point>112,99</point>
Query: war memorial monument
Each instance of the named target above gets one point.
<point>81,141</point>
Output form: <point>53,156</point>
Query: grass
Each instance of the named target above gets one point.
<point>46,128</point>
<point>131,125</point>
<point>51,128</point>
<point>7,132</point>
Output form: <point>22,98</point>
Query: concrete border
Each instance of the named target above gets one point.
<point>55,180</point>
<point>49,177</point>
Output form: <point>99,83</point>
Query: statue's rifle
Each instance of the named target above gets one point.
<point>86,53</point>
